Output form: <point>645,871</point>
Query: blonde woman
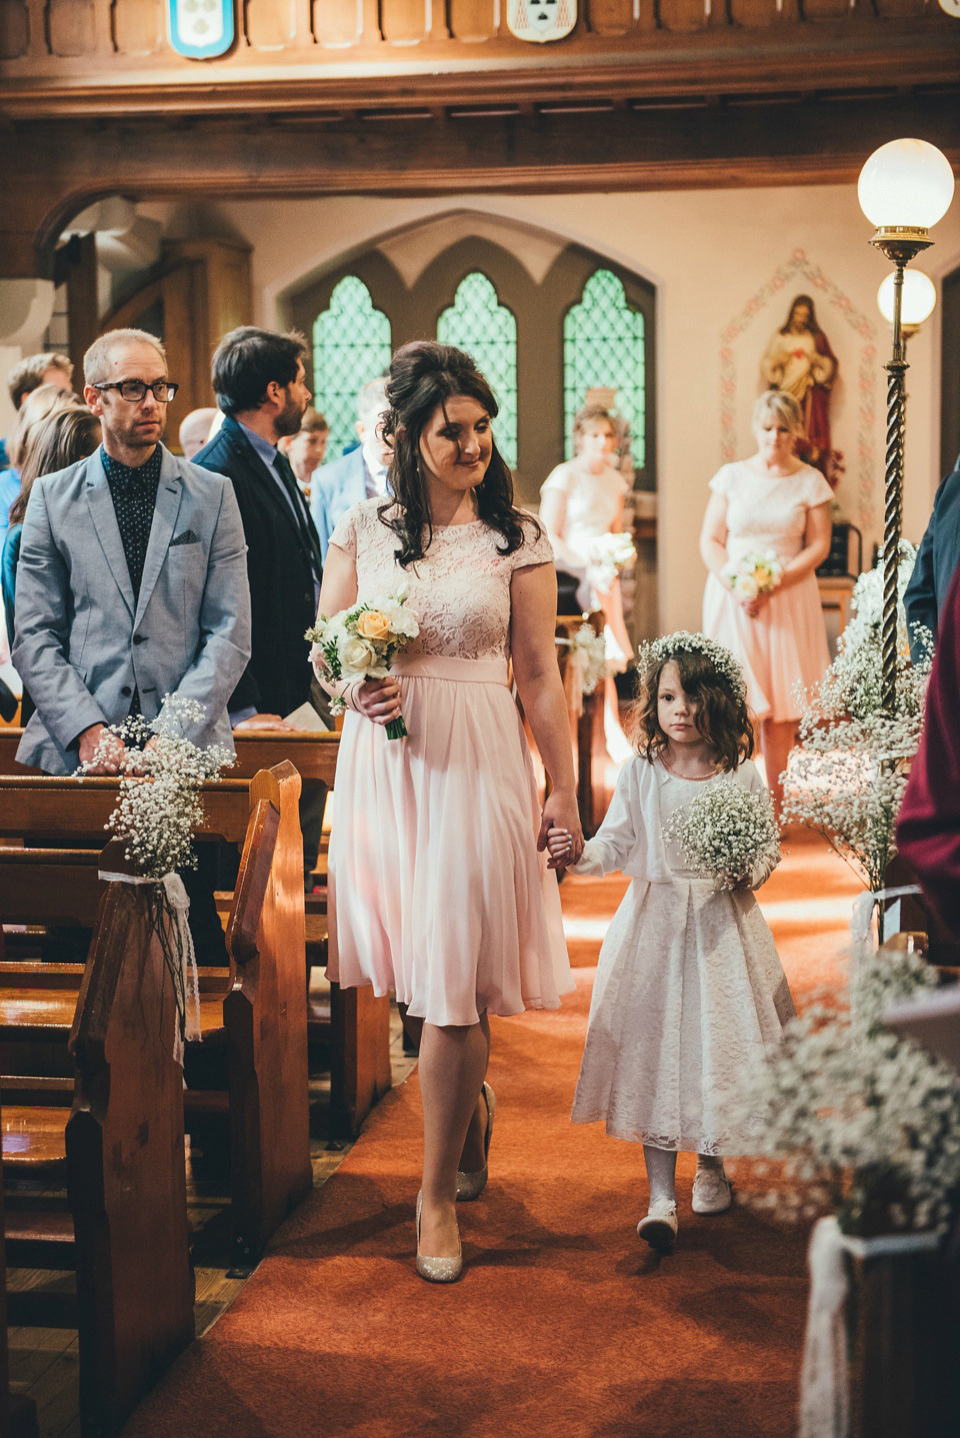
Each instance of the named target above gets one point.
<point>770,502</point>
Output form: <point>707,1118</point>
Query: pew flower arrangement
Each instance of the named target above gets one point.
<point>587,662</point>
<point>847,776</point>
<point>727,834</point>
<point>361,643</point>
<point>754,574</point>
<point>159,807</point>
<point>865,1123</point>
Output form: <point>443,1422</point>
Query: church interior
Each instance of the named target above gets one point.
<point>611,200</point>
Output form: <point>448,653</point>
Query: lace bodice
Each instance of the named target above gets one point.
<point>459,591</point>
<point>768,513</point>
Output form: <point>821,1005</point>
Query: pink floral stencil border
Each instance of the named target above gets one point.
<point>820,288</point>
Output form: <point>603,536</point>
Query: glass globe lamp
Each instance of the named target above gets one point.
<point>904,188</point>
<point>917,303</point>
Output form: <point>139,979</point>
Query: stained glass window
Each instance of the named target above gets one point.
<point>478,323</point>
<point>351,345</point>
<point>603,348</point>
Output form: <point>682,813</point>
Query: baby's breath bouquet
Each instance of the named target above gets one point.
<point>727,834</point>
<point>361,642</point>
<point>754,574</point>
<point>847,776</point>
<point>607,554</point>
<point>159,807</point>
<point>865,1123</point>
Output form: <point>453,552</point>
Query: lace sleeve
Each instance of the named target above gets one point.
<point>345,534</point>
<point>534,550</point>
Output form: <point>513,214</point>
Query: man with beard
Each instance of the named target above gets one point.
<point>259,381</point>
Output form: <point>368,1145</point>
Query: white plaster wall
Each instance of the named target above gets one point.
<point>710,254</point>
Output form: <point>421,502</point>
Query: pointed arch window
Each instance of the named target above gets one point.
<point>603,348</point>
<point>478,323</point>
<point>351,345</point>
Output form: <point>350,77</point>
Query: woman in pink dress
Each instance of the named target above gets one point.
<point>440,888</point>
<point>770,502</point>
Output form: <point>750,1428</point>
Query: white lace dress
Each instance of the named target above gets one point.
<point>689,987</point>
<point>437,891</point>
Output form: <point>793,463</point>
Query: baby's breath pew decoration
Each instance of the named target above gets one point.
<point>866,1124</point>
<point>846,779</point>
<point>159,807</point>
<point>586,664</point>
<point>727,834</point>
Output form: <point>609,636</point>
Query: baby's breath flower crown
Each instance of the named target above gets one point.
<point>657,651</point>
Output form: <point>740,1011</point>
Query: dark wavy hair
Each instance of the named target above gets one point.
<point>802,300</point>
<point>721,717</point>
<point>423,376</point>
<point>248,359</point>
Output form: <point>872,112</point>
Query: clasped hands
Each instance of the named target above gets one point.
<point>111,754</point>
<point>377,699</point>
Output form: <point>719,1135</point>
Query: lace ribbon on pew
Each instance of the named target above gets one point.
<point>186,980</point>
<point>824,1387</point>
<point>864,904</point>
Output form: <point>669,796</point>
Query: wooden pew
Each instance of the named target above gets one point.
<point>354,1027</point>
<point>253,1017</point>
<point>18,1413</point>
<point>120,1150</point>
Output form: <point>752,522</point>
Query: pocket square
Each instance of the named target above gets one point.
<point>187,537</point>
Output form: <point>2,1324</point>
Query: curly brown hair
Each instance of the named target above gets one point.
<point>721,716</point>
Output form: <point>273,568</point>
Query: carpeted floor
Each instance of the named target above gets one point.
<point>563,1323</point>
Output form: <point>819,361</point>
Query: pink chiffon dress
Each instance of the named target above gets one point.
<point>784,649</point>
<point>437,891</point>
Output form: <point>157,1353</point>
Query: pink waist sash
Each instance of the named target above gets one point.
<point>460,671</point>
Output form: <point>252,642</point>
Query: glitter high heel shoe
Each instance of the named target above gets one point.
<point>436,1270</point>
<point>471,1185</point>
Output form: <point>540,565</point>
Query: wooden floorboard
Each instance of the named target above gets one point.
<point>44,1361</point>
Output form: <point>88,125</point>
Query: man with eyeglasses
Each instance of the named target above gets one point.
<point>132,582</point>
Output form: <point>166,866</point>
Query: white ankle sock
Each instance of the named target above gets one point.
<point>661,1171</point>
<point>710,1163</point>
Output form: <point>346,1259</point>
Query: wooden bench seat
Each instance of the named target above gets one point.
<point>34,1140</point>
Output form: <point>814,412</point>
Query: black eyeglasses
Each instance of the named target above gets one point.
<point>134,390</point>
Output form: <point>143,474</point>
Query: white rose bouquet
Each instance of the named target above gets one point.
<point>360,643</point>
<point>754,574</point>
<point>727,834</point>
<point>607,555</point>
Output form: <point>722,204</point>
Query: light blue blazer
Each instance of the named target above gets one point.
<point>83,644</point>
<point>334,488</point>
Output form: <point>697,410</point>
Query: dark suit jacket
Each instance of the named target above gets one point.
<point>279,549</point>
<point>937,560</point>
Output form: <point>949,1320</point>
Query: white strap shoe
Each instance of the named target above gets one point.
<point>711,1191</point>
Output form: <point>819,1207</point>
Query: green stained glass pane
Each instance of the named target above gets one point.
<point>351,345</point>
<point>603,348</point>
<point>478,323</point>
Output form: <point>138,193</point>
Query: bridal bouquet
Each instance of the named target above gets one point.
<point>360,643</point>
<point>727,834</point>
<point>607,555</point>
<point>754,574</point>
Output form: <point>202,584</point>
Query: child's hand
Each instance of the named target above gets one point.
<point>559,846</point>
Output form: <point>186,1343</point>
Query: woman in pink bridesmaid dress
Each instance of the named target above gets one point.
<point>772,501</point>
<point>439,885</point>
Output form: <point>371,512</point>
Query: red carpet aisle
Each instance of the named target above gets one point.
<point>562,1324</point>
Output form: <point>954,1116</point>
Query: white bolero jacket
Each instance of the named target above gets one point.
<point>630,839</point>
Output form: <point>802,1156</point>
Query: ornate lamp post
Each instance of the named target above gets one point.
<point>904,188</point>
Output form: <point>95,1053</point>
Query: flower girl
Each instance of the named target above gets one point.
<point>689,987</point>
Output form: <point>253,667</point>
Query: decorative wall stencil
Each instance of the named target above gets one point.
<point>863,391</point>
<point>541,20</point>
<point>200,29</point>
